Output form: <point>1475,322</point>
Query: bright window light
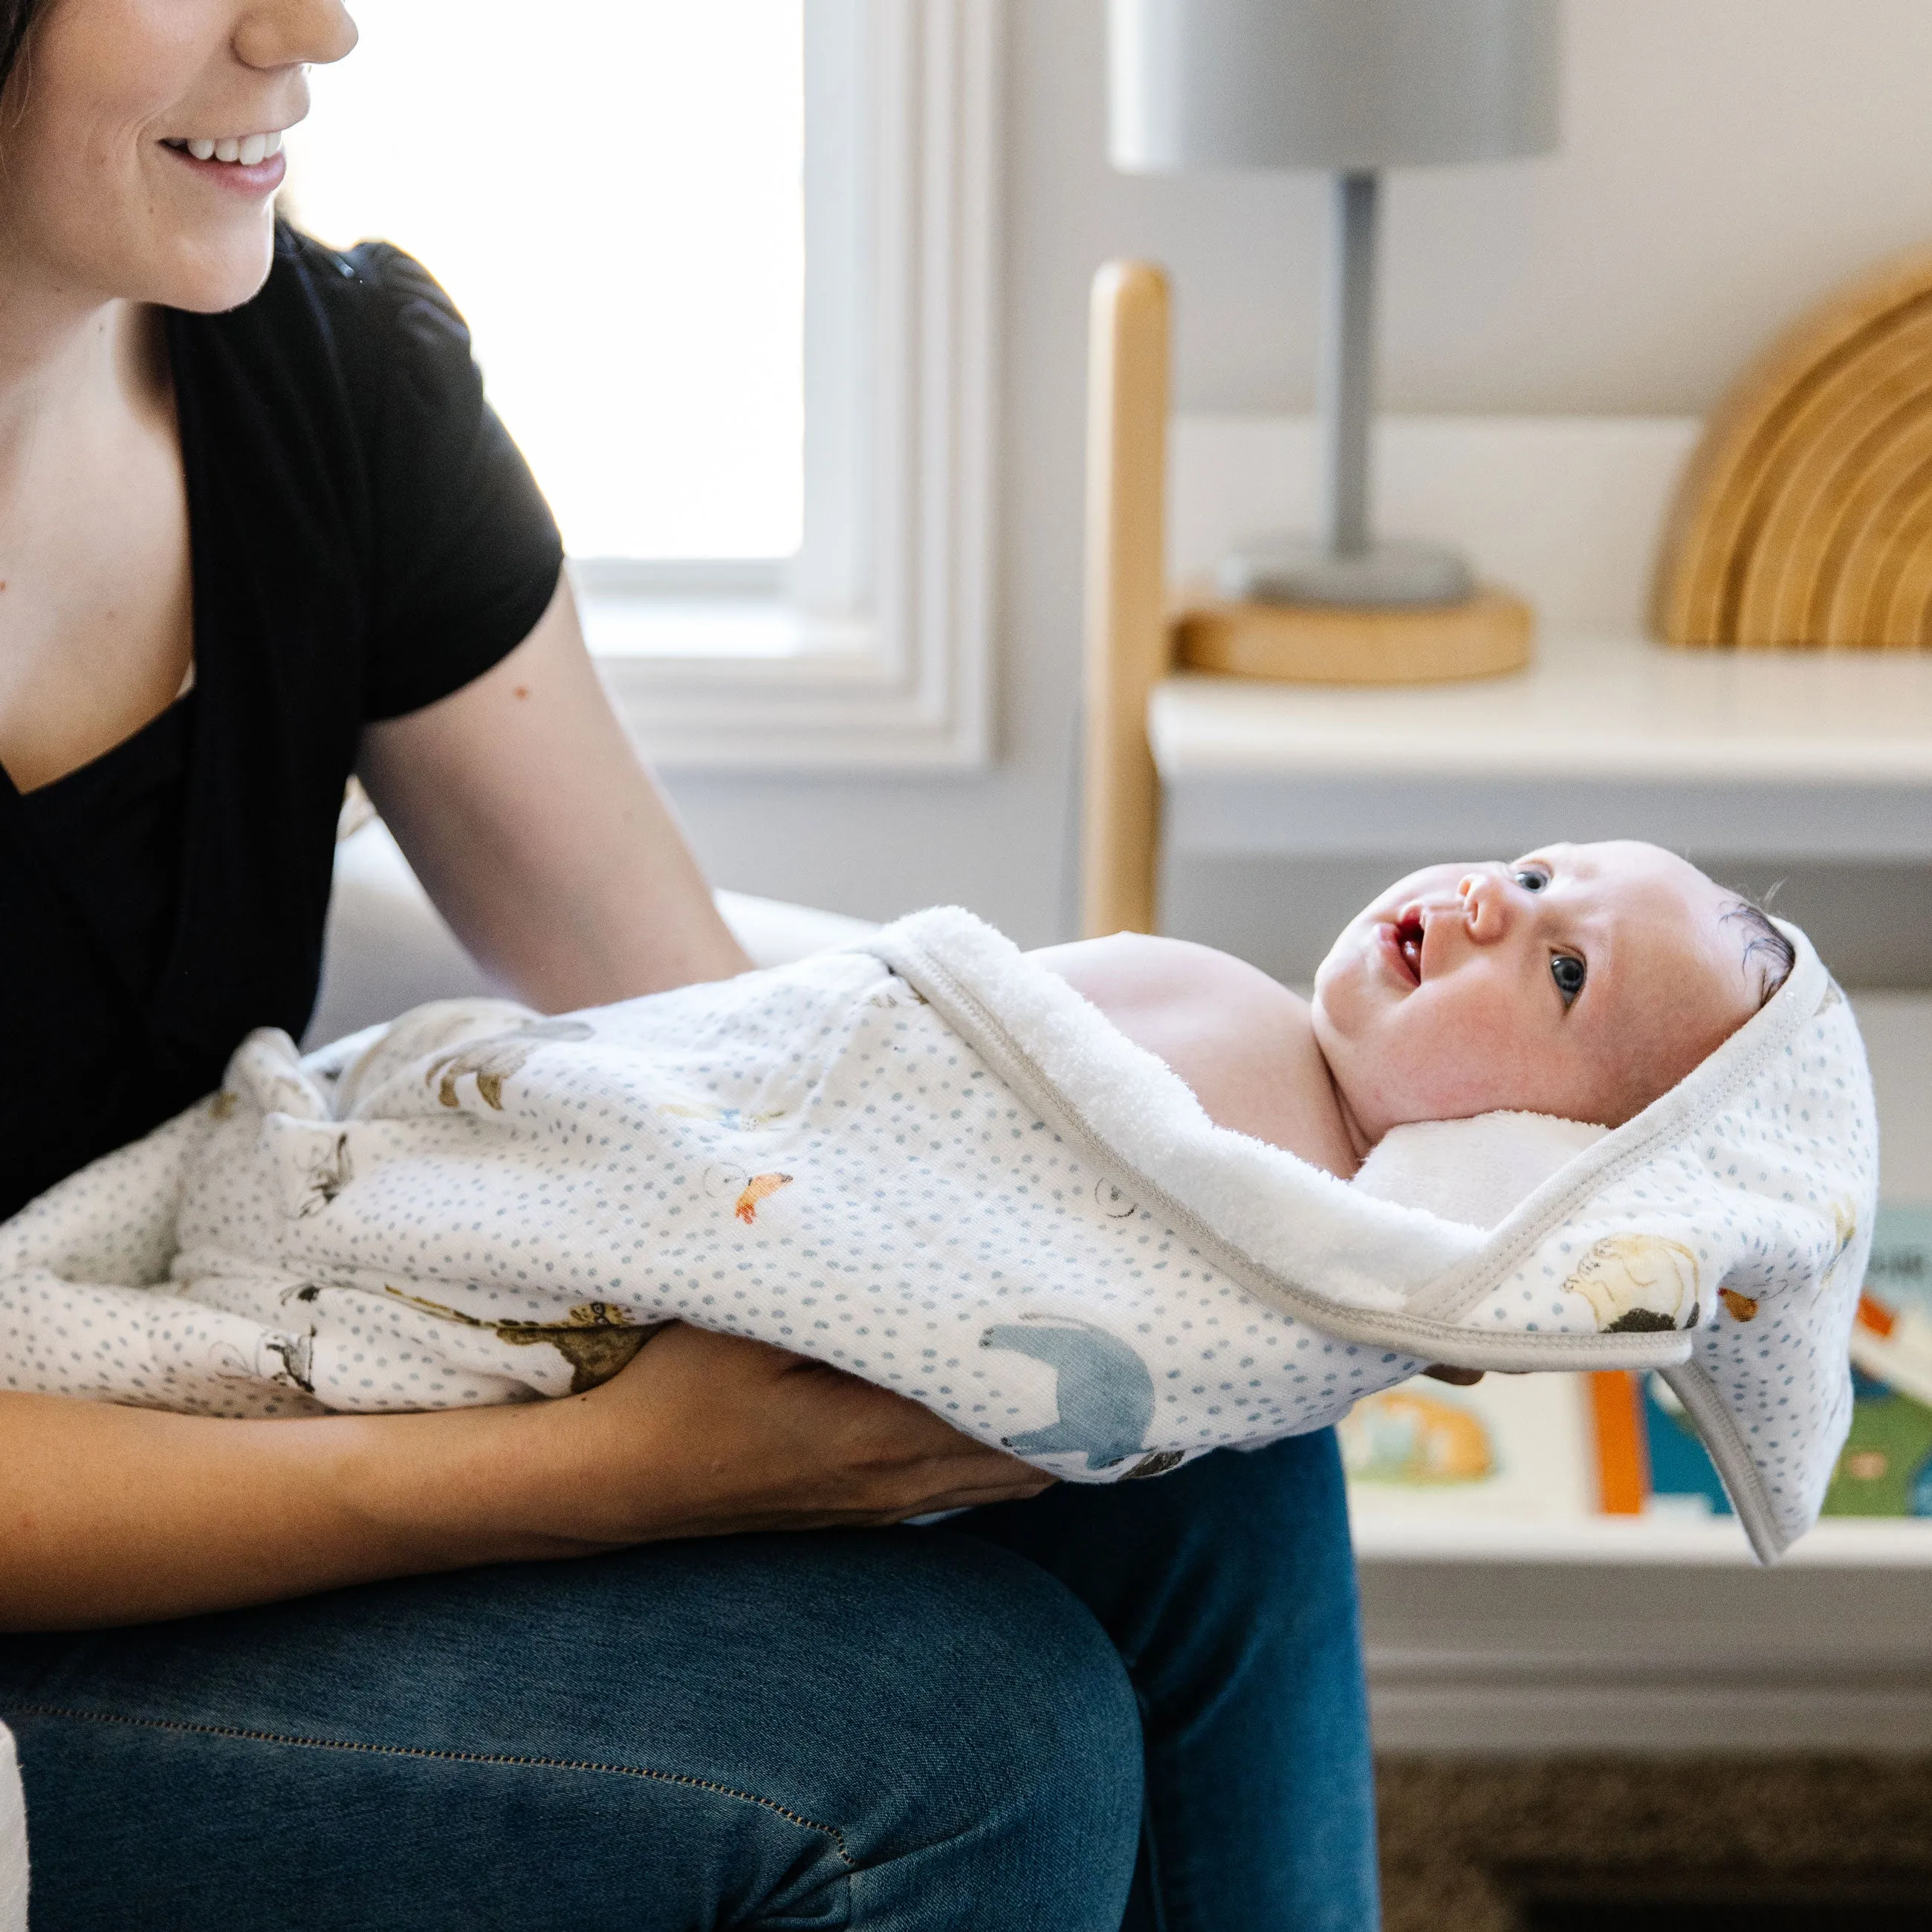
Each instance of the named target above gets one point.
<point>612,191</point>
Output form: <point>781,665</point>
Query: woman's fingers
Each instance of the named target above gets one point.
<point>704,1434</point>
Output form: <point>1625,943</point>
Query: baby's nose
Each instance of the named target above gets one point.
<point>1486,904</point>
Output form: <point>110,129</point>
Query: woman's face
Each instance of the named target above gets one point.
<point>101,195</point>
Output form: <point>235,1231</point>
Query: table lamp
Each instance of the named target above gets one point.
<point>1350,87</point>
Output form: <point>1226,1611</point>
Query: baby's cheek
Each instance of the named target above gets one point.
<point>1465,1062</point>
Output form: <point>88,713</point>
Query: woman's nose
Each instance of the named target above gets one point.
<point>273,34</point>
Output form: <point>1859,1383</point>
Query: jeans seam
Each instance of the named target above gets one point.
<point>532,1761</point>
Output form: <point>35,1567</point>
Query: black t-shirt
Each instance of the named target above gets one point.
<point>366,539</point>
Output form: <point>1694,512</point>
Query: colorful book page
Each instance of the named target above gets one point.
<point>1885,1466</point>
<point>1516,1446</point>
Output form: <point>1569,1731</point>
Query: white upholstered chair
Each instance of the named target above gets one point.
<point>12,1841</point>
<point>388,949</point>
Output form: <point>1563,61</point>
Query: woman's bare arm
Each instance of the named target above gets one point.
<point>545,843</point>
<point>116,1516</point>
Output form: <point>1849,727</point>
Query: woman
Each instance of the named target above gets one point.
<point>257,526</point>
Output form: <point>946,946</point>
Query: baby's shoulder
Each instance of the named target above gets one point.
<point>1141,969</point>
<point>1242,1041</point>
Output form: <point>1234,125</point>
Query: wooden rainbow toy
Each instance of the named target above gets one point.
<point>1805,517</point>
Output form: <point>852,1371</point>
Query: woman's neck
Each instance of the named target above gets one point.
<point>96,602</point>
<point>68,358</point>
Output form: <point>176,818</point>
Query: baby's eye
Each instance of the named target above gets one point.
<point>1532,878</point>
<point>1569,972</point>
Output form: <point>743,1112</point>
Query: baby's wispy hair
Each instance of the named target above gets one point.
<point>1765,947</point>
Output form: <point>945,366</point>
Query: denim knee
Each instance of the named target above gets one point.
<point>1038,1788</point>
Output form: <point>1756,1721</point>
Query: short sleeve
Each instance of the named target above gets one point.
<point>465,553</point>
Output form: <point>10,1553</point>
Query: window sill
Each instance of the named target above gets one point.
<point>748,683</point>
<point>710,631</point>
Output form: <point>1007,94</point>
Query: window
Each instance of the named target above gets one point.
<point>727,266</point>
<point>646,346</point>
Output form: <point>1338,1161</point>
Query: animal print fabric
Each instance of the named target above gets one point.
<point>930,1162</point>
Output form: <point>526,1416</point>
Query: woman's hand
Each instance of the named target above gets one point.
<point>704,1434</point>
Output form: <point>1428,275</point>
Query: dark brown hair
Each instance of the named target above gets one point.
<point>1774,954</point>
<point>17,17</point>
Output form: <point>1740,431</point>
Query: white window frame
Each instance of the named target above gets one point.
<point>888,662</point>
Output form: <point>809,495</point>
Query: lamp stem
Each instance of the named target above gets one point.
<point>1347,386</point>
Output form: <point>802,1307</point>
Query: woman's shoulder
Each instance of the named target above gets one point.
<point>348,386</point>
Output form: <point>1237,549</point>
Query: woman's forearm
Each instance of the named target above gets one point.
<point>119,1516</point>
<point>115,1516</point>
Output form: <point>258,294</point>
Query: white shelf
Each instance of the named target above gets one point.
<point>1795,754</point>
<point>1615,708</point>
<point>1839,1542</point>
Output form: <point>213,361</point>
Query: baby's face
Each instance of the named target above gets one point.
<point>1582,980</point>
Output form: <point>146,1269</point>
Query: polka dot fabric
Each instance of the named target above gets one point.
<point>811,1157</point>
<point>931,1163</point>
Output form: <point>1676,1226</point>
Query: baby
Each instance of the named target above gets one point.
<point>921,1160</point>
<point>1580,981</point>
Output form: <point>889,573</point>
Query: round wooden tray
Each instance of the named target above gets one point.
<point>1491,633</point>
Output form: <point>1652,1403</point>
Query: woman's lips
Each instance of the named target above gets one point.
<point>264,178</point>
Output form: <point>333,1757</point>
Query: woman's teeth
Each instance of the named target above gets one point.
<point>245,149</point>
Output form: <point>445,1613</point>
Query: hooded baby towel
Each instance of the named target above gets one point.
<point>927,1160</point>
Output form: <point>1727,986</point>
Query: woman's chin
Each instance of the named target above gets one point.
<point>210,274</point>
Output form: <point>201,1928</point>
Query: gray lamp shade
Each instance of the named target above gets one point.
<point>1335,84</point>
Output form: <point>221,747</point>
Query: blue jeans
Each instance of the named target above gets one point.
<point>1011,1721</point>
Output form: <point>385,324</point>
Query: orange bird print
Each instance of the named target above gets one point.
<point>760,1187</point>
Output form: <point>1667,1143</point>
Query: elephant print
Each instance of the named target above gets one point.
<point>1104,1398</point>
<point>732,1120</point>
<point>329,1174</point>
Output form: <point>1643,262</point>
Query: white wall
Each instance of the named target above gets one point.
<point>1725,163</point>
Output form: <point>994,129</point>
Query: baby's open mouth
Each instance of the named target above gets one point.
<point>1405,937</point>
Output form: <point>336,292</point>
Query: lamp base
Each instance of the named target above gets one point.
<point>1292,570</point>
<point>1490,633</point>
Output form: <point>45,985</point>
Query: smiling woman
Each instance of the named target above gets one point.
<point>260,528</point>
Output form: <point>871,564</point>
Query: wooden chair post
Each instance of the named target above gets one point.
<point>1127,644</point>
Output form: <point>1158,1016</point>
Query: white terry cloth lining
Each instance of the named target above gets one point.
<point>1478,1170</point>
